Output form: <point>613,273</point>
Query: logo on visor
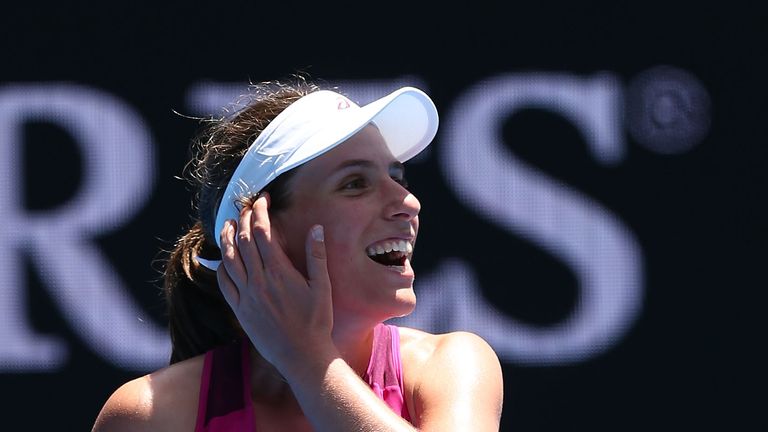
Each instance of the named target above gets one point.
<point>342,103</point>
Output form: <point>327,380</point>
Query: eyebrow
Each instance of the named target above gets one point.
<point>367,164</point>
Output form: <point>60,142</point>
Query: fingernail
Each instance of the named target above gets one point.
<point>317,233</point>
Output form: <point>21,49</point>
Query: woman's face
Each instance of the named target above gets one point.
<point>356,192</point>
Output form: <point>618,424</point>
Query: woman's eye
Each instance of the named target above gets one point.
<point>358,183</point>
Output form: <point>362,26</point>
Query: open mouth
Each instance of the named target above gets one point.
<point>391,253</point>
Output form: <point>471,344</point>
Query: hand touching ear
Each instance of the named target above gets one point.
<point>286,316</point>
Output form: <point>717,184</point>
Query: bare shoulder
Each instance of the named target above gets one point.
<point>162,400</point>
<point>421,348</point>
<point>451,379</point>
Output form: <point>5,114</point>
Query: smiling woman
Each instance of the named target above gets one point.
<point>278,295</point>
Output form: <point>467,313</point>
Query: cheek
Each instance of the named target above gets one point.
<point>342,248</point>
<point>340,243</point>
<point>340,226</point>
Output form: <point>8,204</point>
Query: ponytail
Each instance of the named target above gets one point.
<point>199,316</point>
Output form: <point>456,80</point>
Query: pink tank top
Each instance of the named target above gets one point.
<point>225,393</point>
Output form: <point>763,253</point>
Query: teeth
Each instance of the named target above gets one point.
<point>389,246</point>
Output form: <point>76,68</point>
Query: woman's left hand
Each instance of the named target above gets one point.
<point>286,316</point>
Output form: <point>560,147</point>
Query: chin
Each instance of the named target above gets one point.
<point>406,302</point>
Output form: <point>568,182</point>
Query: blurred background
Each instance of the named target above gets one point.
<point>593,204</point>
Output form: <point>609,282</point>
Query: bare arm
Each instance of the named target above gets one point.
<point>458,386</point>
<point>334,398</point>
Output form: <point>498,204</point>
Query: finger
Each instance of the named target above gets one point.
<point>228,288</point>
<point>317,264</point>
<point>247,246</point>
<point>271,252</point>
<point>230,256</point>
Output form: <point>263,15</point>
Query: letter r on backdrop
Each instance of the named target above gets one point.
<point>117,179</point>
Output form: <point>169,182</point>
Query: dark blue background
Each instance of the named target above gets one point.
<point>689,362</point>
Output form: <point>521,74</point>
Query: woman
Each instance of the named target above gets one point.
<point>278,294</point>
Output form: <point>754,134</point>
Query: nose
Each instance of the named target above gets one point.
<point>402,204</point>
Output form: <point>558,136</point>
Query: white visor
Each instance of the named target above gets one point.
<point>406,118</point>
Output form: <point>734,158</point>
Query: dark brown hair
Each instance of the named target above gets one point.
<point>199,317</point>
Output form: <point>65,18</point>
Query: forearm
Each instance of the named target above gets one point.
<point>334,398</point>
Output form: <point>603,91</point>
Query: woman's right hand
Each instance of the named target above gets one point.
<point>286,316</point>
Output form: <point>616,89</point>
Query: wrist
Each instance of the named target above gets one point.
<point>309,364</point>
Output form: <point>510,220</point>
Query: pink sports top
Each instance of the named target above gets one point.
<point>225,393</point>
